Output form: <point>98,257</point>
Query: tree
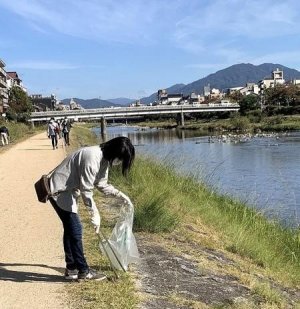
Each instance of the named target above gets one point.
<point>283,95</point>
<point>249,103</point>
<point>20,105</point>
<point>293,94</point>
<point>235,96</point>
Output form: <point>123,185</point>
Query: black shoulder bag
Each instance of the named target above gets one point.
<point>42,189</point>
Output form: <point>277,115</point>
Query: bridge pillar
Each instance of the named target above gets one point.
<point>180,119</point>
<point>103,126</point>
<point>32,124</point>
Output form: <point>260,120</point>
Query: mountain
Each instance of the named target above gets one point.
<point>121,101</point>
<point>91,103</point>
<point>233,76</point>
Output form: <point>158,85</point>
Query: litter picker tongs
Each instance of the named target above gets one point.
<point>103,240</point>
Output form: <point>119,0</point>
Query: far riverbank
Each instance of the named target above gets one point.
<point>234,124</point>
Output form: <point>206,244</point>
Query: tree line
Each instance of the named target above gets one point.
<point>279,100</point>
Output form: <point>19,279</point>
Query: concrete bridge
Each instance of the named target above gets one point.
<point>128,112</point>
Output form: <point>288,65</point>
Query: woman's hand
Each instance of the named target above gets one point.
<point>125,198</point>
<point>96,222</point>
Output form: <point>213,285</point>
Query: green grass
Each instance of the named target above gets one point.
<point>269,295</point>
<point>80,136</point>
<point>154,217</point>
<point>20,131</point>
<point>182,200</point>
<point>165,201</point>
<point>117,294</point>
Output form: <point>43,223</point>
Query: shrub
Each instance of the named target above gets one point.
<point>240,123</point>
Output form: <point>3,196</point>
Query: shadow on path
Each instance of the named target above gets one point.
<point>27,276</point>
<point>36,149</point>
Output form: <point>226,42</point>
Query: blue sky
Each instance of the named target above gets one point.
<point>130,48</point>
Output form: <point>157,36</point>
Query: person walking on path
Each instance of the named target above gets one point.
<point>66,127</point>
<point>52,132</point>
<point>77,175</point>
<point>4,135</point>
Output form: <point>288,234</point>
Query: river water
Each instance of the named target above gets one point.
<point>261,171</point>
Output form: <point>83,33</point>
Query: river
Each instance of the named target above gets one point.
<point>261,171</point>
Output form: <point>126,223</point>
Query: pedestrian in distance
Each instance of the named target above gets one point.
<point>4,135</point>
<point>52,132</point>
<point>66,127</point>
<point>59,123</point>
<point>78,175</point>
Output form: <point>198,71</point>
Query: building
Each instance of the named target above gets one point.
<point>215,94</point>
<point>13,80</point>
<point>174,99</point>
<point>41,103</point>
<point>3,89</point>
<point>74,105</point>
<point>258,89</point>
<point>206,90</point>
<point>294,82</point>
<point>234,89</point>
<point>250,88</point>
<point>163,98</point>
<point>195,98</point>
<point>270,82</point>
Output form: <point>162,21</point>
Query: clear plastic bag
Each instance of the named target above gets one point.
<point>122,248</point>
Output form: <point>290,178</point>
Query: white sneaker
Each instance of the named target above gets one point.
<point>71,274</point>
<point>91,275</point>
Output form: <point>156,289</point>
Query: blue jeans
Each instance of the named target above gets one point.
<point>72,239</point>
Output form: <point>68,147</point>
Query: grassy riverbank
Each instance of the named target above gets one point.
<point>19,132</point>
<point>238,123</point>
<point>165,201</point>
<point>185,215</point>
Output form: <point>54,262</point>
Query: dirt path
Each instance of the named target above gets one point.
<point>31,256</point>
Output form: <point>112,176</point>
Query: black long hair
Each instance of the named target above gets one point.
<point>119,148</point>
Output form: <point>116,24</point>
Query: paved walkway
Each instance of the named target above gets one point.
<point>31,254</point>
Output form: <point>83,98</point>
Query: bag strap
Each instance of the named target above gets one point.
<point>51,172</point>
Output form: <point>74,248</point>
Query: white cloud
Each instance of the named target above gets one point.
<point>121,21</point>
<point>194,25</point>
<point>219,30</point>
<point>233,22</point>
